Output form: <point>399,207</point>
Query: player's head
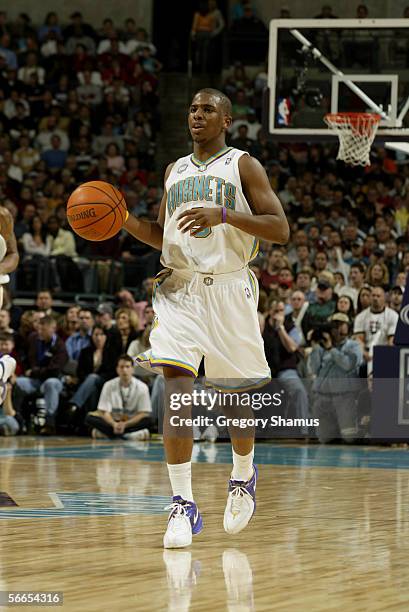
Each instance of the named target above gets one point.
<point>209,115</point>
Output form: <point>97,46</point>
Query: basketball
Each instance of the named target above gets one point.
<point>96,210</point>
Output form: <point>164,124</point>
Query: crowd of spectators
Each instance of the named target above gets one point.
<point>76,104</point>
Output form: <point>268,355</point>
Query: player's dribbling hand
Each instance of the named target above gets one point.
<point>197,219</point>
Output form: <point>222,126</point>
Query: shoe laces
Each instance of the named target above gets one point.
<point>237,493</point>
<point>177,509</point>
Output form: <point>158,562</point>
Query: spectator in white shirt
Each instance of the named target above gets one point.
<point>37,241</point>
<point>124,408</point>
<point>24,73</point>
<point>375,326</point>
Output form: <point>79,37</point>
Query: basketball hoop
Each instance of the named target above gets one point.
<point>356,133</point>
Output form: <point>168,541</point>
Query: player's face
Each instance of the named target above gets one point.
<point>206,118</point>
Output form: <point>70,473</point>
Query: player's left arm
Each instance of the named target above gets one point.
<point>11,259</point>
<point>269,221</point>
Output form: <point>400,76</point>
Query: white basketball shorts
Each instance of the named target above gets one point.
<point>212,316</point>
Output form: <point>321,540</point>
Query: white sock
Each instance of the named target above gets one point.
<point>180,475</point>
<point>242,466</point>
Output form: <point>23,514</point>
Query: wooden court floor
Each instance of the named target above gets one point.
<point>331,530</point>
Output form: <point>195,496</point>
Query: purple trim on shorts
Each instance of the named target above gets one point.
<point>224,214</point>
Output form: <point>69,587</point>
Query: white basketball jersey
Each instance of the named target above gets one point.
<point>214,183</point>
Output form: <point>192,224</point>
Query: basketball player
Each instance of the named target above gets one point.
<point>9,259</point>
<point>216,203</point>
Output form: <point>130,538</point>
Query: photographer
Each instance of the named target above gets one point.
<point>335,361</point>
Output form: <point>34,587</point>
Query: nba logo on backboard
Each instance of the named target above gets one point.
<point>284,111</point>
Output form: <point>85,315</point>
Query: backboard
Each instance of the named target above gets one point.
<point>318,66</point>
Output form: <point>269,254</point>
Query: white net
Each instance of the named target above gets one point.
<point>356,133</point>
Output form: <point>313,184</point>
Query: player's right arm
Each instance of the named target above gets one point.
<point>150,232</point>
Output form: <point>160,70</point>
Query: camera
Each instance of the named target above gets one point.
<point>318,334</point>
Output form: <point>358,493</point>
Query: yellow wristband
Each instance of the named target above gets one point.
<point>126,216</point>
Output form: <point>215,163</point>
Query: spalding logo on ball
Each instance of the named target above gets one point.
<point>96,210</point>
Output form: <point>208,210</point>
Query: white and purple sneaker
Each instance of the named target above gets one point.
<point>241,503</point>
<point>184,521</point>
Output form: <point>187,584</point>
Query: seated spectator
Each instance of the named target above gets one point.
<point>148,62</point>
<point>43,140</point>
<point>303,282</point>
<point>364,298</point>
<point>5,321</point>
<point>378,275</point>
<point>46,356</point>
<point>82,338</point>
<point>7,53</point>
<point>96,365</point>
<point>281,343</point>
<point>88,92</point>
<point>127,324</point>
<point>25,156</point>
<point>31,67</point>
<point>115,161</point>
<point>242,140</point>
<point>63,240</point>
<point>36,241</point>
<point>396,298</point>
<point>335,360</point>
<point>23,225</point>
<point>104,317</point>
<point>50,25</point>
<point>303,258</point>
<point>240,107</point>
<point>375,325</point>
<point>346,306</point>
<point>55,157</point>
<point>252,124</point>
<point>124,408</point>
<point>79,34</point>
<point>69,323</point>
<point>137,39</point>
<point>44,303</point>
<point>269,276</point>
<point>299,306</point>
<point>29,323</point>
<point>127,300</point>
<point>319,312</point>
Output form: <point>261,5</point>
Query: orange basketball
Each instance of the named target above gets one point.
<point>96,210</point>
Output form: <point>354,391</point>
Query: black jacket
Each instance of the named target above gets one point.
<point>108,363</point>
<point>46,360</point>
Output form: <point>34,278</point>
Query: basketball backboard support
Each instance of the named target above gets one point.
<point>317,66</point>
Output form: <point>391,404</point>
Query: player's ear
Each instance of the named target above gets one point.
<point>227,122</point>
